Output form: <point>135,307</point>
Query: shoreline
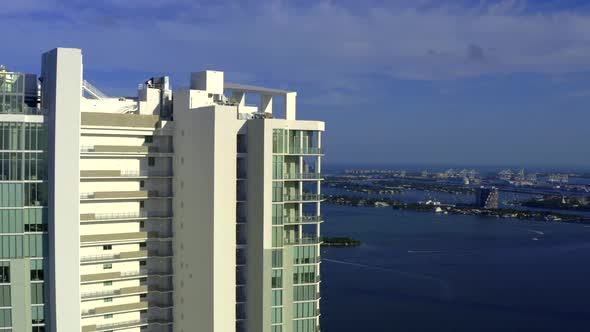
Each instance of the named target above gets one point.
<point>543,216</point>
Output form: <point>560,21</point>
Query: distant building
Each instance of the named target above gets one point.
<point>558,178</point>
<point>487,198</point>
<point>505,174</point>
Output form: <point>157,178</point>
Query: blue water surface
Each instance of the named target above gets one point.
<point>427,272</point>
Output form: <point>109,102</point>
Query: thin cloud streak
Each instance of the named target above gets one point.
<point>425,43</point>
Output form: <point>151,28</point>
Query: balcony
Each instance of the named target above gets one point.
<point>160,235</point>
<point>305,239</point>
<point>302,176</point>
<point>123,195</point>
<point>114,237</point>
<point>315,298</point>
<point>160,289</point>
<point>108,276</point>
<point>306,219</point>
<point>123,275</point>
<point>119,120</point>
<point>112,309</point>
<point>115,292</point>
<point>305,150</point>
<point>130,255</point>
<point>305,197</point>
<point>93,217</point>
<point>115,174</point>
<point>115,326</point>
<point>123,150</point>
<point>304,261</point>
<point>306,279</point>
<point>114,195</point>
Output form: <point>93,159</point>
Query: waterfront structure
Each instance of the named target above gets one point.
<point>487,198</point>
<point>187,210</point>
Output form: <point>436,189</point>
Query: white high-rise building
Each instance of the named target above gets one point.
<point>173,211</point>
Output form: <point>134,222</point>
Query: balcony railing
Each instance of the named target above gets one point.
<point>123,215</point>
<point>313,280</point>
<point>123,173</point>
<point>124,149</point>
<point>91,258</point>
<point>99,277</point>
<point>306,219</point>
<point>302,176</point>
<point>137,194</point>
<point>122,255</point>
<point>305,197</point>
<point>302,261</point>
<point>112,326</point>
<point>115,292</point>
<point>26,111</point>
<point>305,239</point>
<point>305,150</point>
<point>315,298</point>
<point>116,308</point>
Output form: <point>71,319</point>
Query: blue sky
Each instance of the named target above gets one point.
<point>398,82</point>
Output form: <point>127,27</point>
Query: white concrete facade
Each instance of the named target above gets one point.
<point>180,211</point>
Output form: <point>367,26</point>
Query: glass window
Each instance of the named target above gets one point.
<point>277,214</point>
<point>277,258</point>
<point>37,293</point>
<point>5,318</point>
<point>276,315</point>
<point>4,272</point>
<point>5,299</point>
<point>277,191</point>
<point>277,279</point>
<point>37,315</point>
<point>277,236</point>
<point>277,298</point>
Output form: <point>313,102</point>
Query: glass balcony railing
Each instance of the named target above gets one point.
<point>305,197</point>
<point>123,215</point>
<point>311,260</point>
<point>305,219</point>
<point>123,173</point>
<point>305,239</point>
<point>305,150</point>
<point>305,279</point>
<point>301,176</point>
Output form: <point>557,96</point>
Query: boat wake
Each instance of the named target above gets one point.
<point>536,232</point>
<point>425,252</point>
<point>446,291</point>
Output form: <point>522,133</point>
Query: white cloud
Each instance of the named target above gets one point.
<point>427,42</point>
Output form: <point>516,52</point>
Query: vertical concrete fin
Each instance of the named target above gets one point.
<point>62,89</point>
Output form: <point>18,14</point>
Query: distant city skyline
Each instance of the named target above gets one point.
<point>398,82</point>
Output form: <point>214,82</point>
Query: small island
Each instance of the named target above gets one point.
<point>340,242</point>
